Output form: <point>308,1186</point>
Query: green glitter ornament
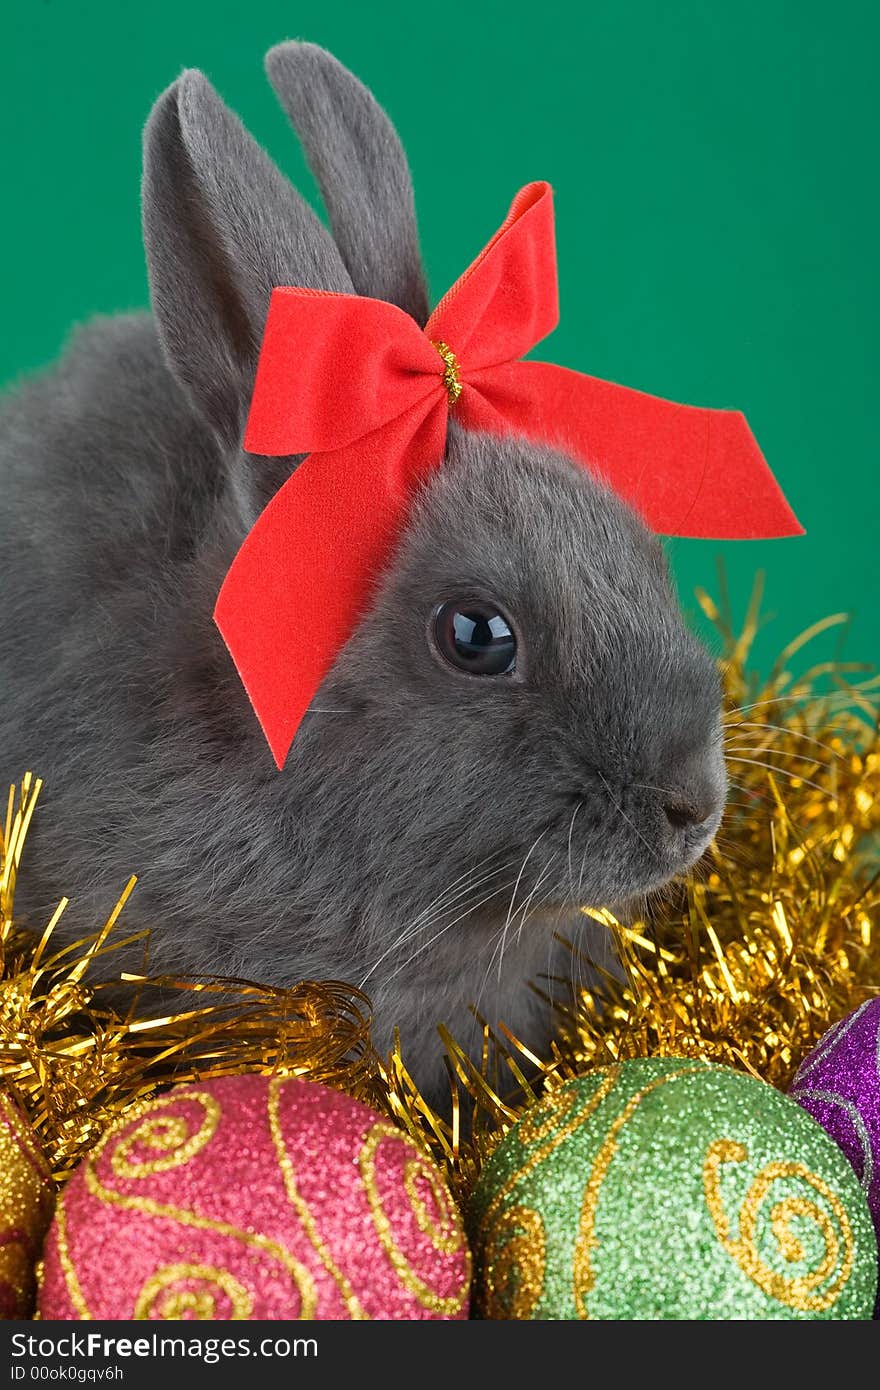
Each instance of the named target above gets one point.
<point>669,1188</point>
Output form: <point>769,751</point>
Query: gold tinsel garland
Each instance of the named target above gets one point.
<point>74,1062</point>
<point>748,964</point>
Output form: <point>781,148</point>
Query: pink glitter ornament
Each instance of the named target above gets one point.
<point>257,1198</point>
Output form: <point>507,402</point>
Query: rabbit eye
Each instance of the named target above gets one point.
<point>475,637</point>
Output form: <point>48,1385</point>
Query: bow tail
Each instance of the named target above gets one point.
<point>305,573</point>
<point>689,471</point>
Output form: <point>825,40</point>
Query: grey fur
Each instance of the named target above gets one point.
<point>358,161</point>
<point>222,226</point>
<point>430,830</point>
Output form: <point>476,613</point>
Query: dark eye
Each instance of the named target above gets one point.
<point>475,638</point>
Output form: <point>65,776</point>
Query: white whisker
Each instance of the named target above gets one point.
<point>630,823</point>
<point>781,729</point>
<point>522,870</point>
<point>442,903</point>
<point>570,832</point>
<point>443,930</point>
<point>782,772</point>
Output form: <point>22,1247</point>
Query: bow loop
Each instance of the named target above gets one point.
<point>507,300</point>
<point>334,367</point>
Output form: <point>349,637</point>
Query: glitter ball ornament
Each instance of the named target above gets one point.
<point>839,1084</point>
<point>666,1188</point>
<point>255,1197</point>
<point>27,1195</point>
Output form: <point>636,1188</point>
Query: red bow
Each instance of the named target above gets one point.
<point>359,387</point>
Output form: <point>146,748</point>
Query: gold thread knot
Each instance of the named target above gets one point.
<point>451,371</point>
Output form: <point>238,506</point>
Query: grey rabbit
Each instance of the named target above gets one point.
<point>446,808</point>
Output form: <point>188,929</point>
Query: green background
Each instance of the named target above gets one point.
<point>716,182</point>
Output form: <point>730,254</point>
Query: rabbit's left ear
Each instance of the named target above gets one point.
<point>222,228</point>
<point>359,164</point>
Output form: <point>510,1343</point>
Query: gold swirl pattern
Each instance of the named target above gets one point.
<point>795,1291</point>
<point>558,1105</point>
<point>539,1123</point>
<point>178,1305</point>
<point>169,1135</point>
<point>158,1294</point>
<point>515,1261</point>
<point>301,1207</point>
<point>584,1277</point>
<point>299,1276</point>
<point>514,1269</point>
<point>446,1236</point>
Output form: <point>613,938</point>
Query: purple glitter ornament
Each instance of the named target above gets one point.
<point>839,1084</point>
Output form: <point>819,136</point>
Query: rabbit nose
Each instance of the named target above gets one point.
<point>684,813</point>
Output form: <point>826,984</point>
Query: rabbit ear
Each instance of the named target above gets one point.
<point>358,161</point>
<point>222,226</point>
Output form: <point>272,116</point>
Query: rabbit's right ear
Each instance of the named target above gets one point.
<point>359,164</point>
<point>222,227</point>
